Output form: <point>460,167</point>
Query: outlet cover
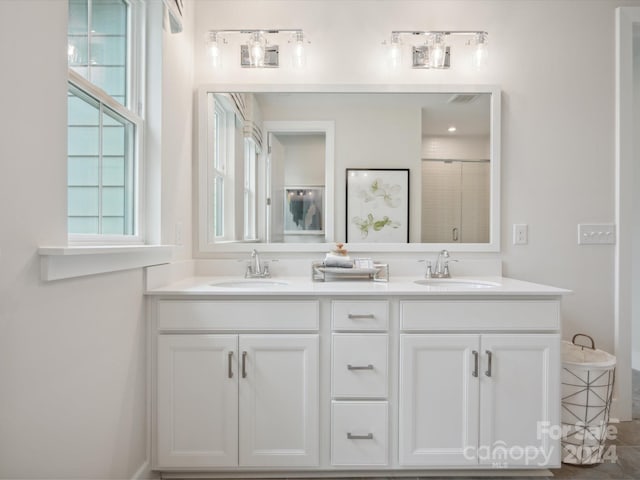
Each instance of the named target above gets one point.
<point>520,234</point>
<point>596,234</point>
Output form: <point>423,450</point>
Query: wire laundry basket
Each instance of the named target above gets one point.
<point>587,387</point>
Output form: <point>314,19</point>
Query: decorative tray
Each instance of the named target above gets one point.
<point>379,272</point>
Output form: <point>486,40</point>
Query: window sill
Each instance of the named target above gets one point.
<point>57,263</point>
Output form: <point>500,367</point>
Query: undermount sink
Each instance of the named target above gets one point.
<point>456,283</point>
<point>250,283</point>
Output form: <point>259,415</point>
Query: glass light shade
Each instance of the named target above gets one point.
<point>214,49</point>
<point>481,53</point>
<point>437,50</point>
<point>395,51</point>
<point>299,58</point>
<point>257,46</point>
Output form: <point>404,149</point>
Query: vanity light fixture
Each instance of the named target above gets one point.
<point>431,49</point>
<point>258,51</point>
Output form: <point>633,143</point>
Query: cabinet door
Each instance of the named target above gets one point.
<point>520,399</point>
<point>438,400</point>
<point>279,400</point>
<point>197,407</point>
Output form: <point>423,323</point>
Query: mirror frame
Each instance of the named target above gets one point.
<point>204,247</point>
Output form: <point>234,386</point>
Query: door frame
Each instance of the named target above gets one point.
<point>626,19</point>
<point>327,127</point>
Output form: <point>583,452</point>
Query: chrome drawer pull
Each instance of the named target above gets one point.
<point>230,373</point>
<point>356,316</point>
<point>489,359</point>
<point>475,364</point>
<point>351,436</point>
<point>359,367</point>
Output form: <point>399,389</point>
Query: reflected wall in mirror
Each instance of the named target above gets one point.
<point>456,167</point>
<point>261,146</point>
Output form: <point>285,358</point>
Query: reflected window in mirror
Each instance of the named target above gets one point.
<point>233,163</point>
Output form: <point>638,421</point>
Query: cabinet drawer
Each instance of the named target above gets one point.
<point>359,365</point>
<point>487,315</point>
<point>360,315</point>
<point>194,315</point>
<point>359,433</point>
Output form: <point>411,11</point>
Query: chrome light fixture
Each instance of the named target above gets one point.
<point>431,49</point>
<point>258,51</point>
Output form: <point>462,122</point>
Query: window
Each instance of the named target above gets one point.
<point>250,199</point>
<point>220,170</point>
<point>231,173</point>
<point>104,127</point>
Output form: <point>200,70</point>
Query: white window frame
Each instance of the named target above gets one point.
<point>221,148</point>
<point>133,112</point>
<point>250,197</point>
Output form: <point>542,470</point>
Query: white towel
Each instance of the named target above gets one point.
<point>342,261</point>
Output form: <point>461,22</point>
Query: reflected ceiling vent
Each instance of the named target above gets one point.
<point>463,98</point>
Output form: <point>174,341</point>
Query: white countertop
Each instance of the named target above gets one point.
<point>298,286</point>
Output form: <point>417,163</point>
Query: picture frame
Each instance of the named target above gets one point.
<point>304,210</point>
<point>377,205</point>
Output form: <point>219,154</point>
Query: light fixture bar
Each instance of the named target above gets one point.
<point>434,53</point>
<point>442,32</point>
<point>257,52</point>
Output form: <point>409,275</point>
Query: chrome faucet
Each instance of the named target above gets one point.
<point>441,269</point>
<point>255,268</point>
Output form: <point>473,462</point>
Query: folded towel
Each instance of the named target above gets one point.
<point>342,261</point>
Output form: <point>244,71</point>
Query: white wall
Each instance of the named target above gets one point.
<point>557,112</point>
<point>459,147</point>
<point>73,400</point>
<point>177,137</point>
<point>303,159</point>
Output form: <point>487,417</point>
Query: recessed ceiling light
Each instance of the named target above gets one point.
<point>451,129</point>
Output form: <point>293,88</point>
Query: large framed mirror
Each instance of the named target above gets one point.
<point>273,162</point>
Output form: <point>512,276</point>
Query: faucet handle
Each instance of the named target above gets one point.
<point>445,271</point>
<point>429,272</point>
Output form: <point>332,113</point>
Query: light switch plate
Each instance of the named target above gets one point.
<point>596,234</point>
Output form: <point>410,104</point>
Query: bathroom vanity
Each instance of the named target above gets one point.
<point>290,377</point>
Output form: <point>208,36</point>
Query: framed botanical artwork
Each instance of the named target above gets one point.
<point>377,205</point>
<point>303,210</point>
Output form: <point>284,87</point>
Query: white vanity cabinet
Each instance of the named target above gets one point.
<point>236,399</point>
<point>322,382</point>
<point>478,398</point>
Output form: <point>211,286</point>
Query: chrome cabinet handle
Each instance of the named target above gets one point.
<point>351,436</point>
<point>475,364</point>
<point>359,367</point>
<point>355,316</point>
<point>244,364</point>
<point>230,368</point>
<point>489,358</point>
<point>455,234</point>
